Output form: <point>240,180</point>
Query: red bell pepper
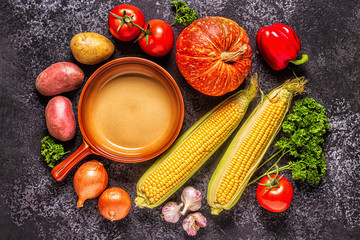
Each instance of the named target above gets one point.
<point>278,45</point>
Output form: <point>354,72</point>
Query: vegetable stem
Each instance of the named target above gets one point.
<point>187,15</point>
<point>306,127</point>
<point>303,59</point>
<point>286,167</point>
<point>146,34</point>
<point>176,13</point>
<point>275,164</point>
<point>269,159</point>
<point>127,19</point>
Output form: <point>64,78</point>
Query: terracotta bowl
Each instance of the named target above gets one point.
<point>130,110</point>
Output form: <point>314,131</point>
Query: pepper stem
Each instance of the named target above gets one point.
<point>303,59</point>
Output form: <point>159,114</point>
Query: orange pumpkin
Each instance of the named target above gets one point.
<point>214,56</point>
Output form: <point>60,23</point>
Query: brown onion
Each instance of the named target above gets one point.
<point>90,181</point>
<point>114,203</point>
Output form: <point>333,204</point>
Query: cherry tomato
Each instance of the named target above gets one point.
<point>127,31</point>
<point>277,198</point>
<point>160,39</point>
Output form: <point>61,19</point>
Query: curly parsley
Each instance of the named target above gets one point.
<point>187,15</point>
<point>306,127</point>
<point>51,151</point>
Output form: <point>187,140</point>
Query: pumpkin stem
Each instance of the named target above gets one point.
<point>231,56</point>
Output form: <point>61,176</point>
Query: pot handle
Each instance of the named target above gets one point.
<point>61,170</point>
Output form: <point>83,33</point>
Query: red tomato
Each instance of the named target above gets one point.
<point>160,41</point>
<point>133,15</point>
<point>276,199</point>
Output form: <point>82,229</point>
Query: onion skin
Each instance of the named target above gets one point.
<point>114,203</point>
<point>90,181</point>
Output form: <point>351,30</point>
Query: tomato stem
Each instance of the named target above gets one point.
<point>271,172</point>
<point>146,34</point>
<point>269,159</point>
<point>274,182</point>
<point>127,19</point>
<point>274,165</point>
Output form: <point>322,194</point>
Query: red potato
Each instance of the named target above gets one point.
<point>58,78</point>
<point>60,118</point>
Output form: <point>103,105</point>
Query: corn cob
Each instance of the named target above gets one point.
<point>193,148</point>
<point>249,146</point>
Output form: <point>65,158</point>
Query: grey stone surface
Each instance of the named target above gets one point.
<point>36,34</point>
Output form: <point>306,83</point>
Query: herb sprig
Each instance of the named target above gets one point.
<point>184,15</point>
<point>51,151</point>
<point>306,127</point>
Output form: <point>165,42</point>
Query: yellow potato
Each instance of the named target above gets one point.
<point>91,48</point>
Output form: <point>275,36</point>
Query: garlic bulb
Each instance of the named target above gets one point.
<point>193,222</point>
<point>171,212</point>
<point>191,198</point>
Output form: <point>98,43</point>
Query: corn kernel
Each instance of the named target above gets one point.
<point>192,151</point>
<point>250,148</point>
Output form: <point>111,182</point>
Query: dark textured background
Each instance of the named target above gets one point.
<point>36,34</point>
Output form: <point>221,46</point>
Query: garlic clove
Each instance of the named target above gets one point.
<point>200,219</point>
<point>190,226</point>
<point>171,212</point>
<point>191,198</point>
<point>193,222</point>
